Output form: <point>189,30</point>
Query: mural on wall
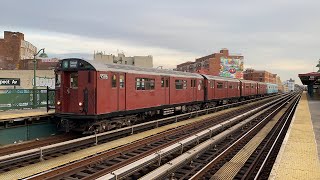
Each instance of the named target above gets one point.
<point>231,67</point>
<point>44,82</point>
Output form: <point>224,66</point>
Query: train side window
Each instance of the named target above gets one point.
<point>219,85</point>
<point>152,85</point>
<point>212,84</point>
<point>191,83</point>
<point>121,81</point>
<point>185,84</point>
<point>230,86</point>
<point>143,84</point>
<point>167,82</point>
<point>247,86</point>
<point>114,81</point>
<point>179,84</point>
<point>58,79</point>
<point>138,85</point>
<point>162,82</point>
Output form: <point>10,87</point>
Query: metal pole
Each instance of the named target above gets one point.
<point>34,82</point>
<point>95,133</point>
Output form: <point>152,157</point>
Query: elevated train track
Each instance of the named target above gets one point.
<point>32,156</point>
<point>215,143</point>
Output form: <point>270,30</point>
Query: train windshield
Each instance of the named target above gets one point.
<point>74,80</point>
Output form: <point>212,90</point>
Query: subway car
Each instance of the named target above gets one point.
<point>93,96</point>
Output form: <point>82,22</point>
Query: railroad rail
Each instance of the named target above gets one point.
<point>177,140</point>
<point>31,156</point>
<point>206,160</point>
<point>260,164</point>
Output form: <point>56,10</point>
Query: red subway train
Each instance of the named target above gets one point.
<point>92,96</point>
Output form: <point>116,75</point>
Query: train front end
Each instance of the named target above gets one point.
<point>75,97</point>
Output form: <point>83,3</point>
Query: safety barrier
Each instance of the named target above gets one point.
<point>25,98</point>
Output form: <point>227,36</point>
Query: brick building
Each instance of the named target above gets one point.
<point>217,64</point>
<point>42,64</point>
<point>16,53</point>
<point>259,75</point>
<point>280,84</point>
<point>14,48</point>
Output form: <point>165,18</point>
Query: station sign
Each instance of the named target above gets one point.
<point>9,81</point>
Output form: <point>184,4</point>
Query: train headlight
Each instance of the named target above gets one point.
<point>80,103</point>
<point>58,103</point>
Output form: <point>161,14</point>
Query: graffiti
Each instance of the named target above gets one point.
<point>231,67</point>
<point>44,82</point>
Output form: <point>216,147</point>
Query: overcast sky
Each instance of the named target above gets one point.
<point>281,36</point>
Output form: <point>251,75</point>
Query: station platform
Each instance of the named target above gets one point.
<point>24,114</point>
<point>298,157</point>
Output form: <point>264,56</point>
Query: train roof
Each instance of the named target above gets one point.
<point>248,81</point>
<point>99,66</point>
<point>210,77</point>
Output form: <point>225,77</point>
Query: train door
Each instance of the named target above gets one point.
<point>212,87</point>
<point>121,91</point>
<point>206,87</point>
<point>194,89</point>
<point>70,91</point>
<point>166,84</point>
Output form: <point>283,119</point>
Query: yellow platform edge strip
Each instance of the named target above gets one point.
<point>298,157</point>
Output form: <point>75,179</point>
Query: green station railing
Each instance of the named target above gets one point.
<point>24,98</point>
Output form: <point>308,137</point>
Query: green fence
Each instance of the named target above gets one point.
<point>24,98</point>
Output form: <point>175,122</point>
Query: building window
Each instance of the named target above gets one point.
<point>74,80</point>
<point>114,81</point>
<point>121,81</point>
<point>145,84</point>
<point>219,85</point>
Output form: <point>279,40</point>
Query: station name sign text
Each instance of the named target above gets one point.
<point>9,81</point>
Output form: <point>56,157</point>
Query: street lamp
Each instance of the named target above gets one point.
<point>42,55</point>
